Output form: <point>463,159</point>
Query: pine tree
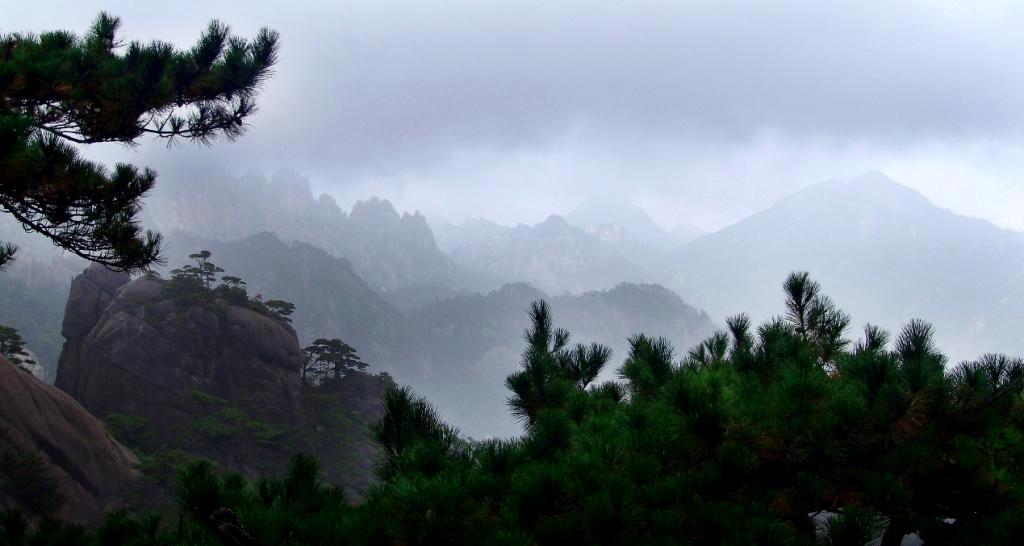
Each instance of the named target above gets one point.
<point>785,434</point>
<point>12,347</point>
<point>59,91</point>
<point>284,309</point>
<point>330,359</point>
<point>205,270</point>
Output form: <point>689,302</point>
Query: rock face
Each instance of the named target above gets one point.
<point>90,295</point>
<point>196,373</point>
<point>330,298</point>
<point>186,373</point>
<point>54,455</point>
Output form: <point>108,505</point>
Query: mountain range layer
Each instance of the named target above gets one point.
<point>882,251</point>
<point>445,313</point>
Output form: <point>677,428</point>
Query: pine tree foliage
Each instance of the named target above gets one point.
<point>282,308</point>
<point>789,433</point>
<point>198,284</point>
<point>12,347</point>
<point>59,91</point>
<point>328,359</point>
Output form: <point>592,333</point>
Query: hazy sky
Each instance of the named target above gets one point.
<point>701,112</point>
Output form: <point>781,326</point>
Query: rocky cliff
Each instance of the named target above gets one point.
<point>132,350</point>
<point>192,373</point>
<point>331,299</point>
<point>55,457</point>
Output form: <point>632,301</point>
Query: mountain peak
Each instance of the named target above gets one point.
<point>880,184</point>
<point>601,210</point>
<point>374,208</point>
<point>872,176</point>
<point>871,190</point>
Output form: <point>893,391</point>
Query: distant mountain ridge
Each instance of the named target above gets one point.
<point>556,257</point>
<point>458,348</point>
<point>600,243</point>
<point>605,210</point>
<point>331,299</point>
<point>470,232</point>
<point>882,251</point>
<point>475,341</point>
<point>389,250</point>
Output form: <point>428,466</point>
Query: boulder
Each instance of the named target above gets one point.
<point>55,457</point>
<point>214,378</point>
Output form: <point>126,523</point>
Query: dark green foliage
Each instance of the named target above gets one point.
<point>12,347</point>
<point>552,370</point>
<point>222,422</point>
<point>224,508</point>
<point>784,435</point>
<point>15,530</point>
<point>203,273</point>
<point>196,284</point>
<point>281,307</point>
<point>25,477</point>
<point>58,90</point>
<point>128,429</point>
<point>853,527</point>
<point>740,443</point>
<point>413,437</point>
<point>198,490</point>
<point>125,529</point>
<point>328,359</point>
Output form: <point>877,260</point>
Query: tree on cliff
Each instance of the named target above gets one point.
<point>204,273</point>
<point>204,270</point>
<point>329,359</point>
<point>232,289</point>
<point>12,347</point>
<point>59,90</point>
<point>283,308</point>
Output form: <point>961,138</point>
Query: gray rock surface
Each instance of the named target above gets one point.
<point>198,372</point>
<point>50,444</point>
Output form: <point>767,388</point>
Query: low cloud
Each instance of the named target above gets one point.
<point>701,112</point>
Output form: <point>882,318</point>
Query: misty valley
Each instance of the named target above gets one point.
<point>234,354</point>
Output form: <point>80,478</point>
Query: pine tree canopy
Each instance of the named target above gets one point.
<point>59,90</point>
<point>783,434</point>
<point>328,358</point>
<point>12,347</point>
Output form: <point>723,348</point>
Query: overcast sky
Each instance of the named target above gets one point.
<point>701,112</point>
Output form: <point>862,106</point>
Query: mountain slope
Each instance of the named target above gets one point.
<point>55,456</point>
<point>179,369</point>
<point>555,257</point>
<point>882,251</point>
<point>389,250</point>
<point>331,299</point>
<point>456,349</point>
<point>600,210</point>
<point>684,232</point>
<point>471,232</point>
<point>471,343</point>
